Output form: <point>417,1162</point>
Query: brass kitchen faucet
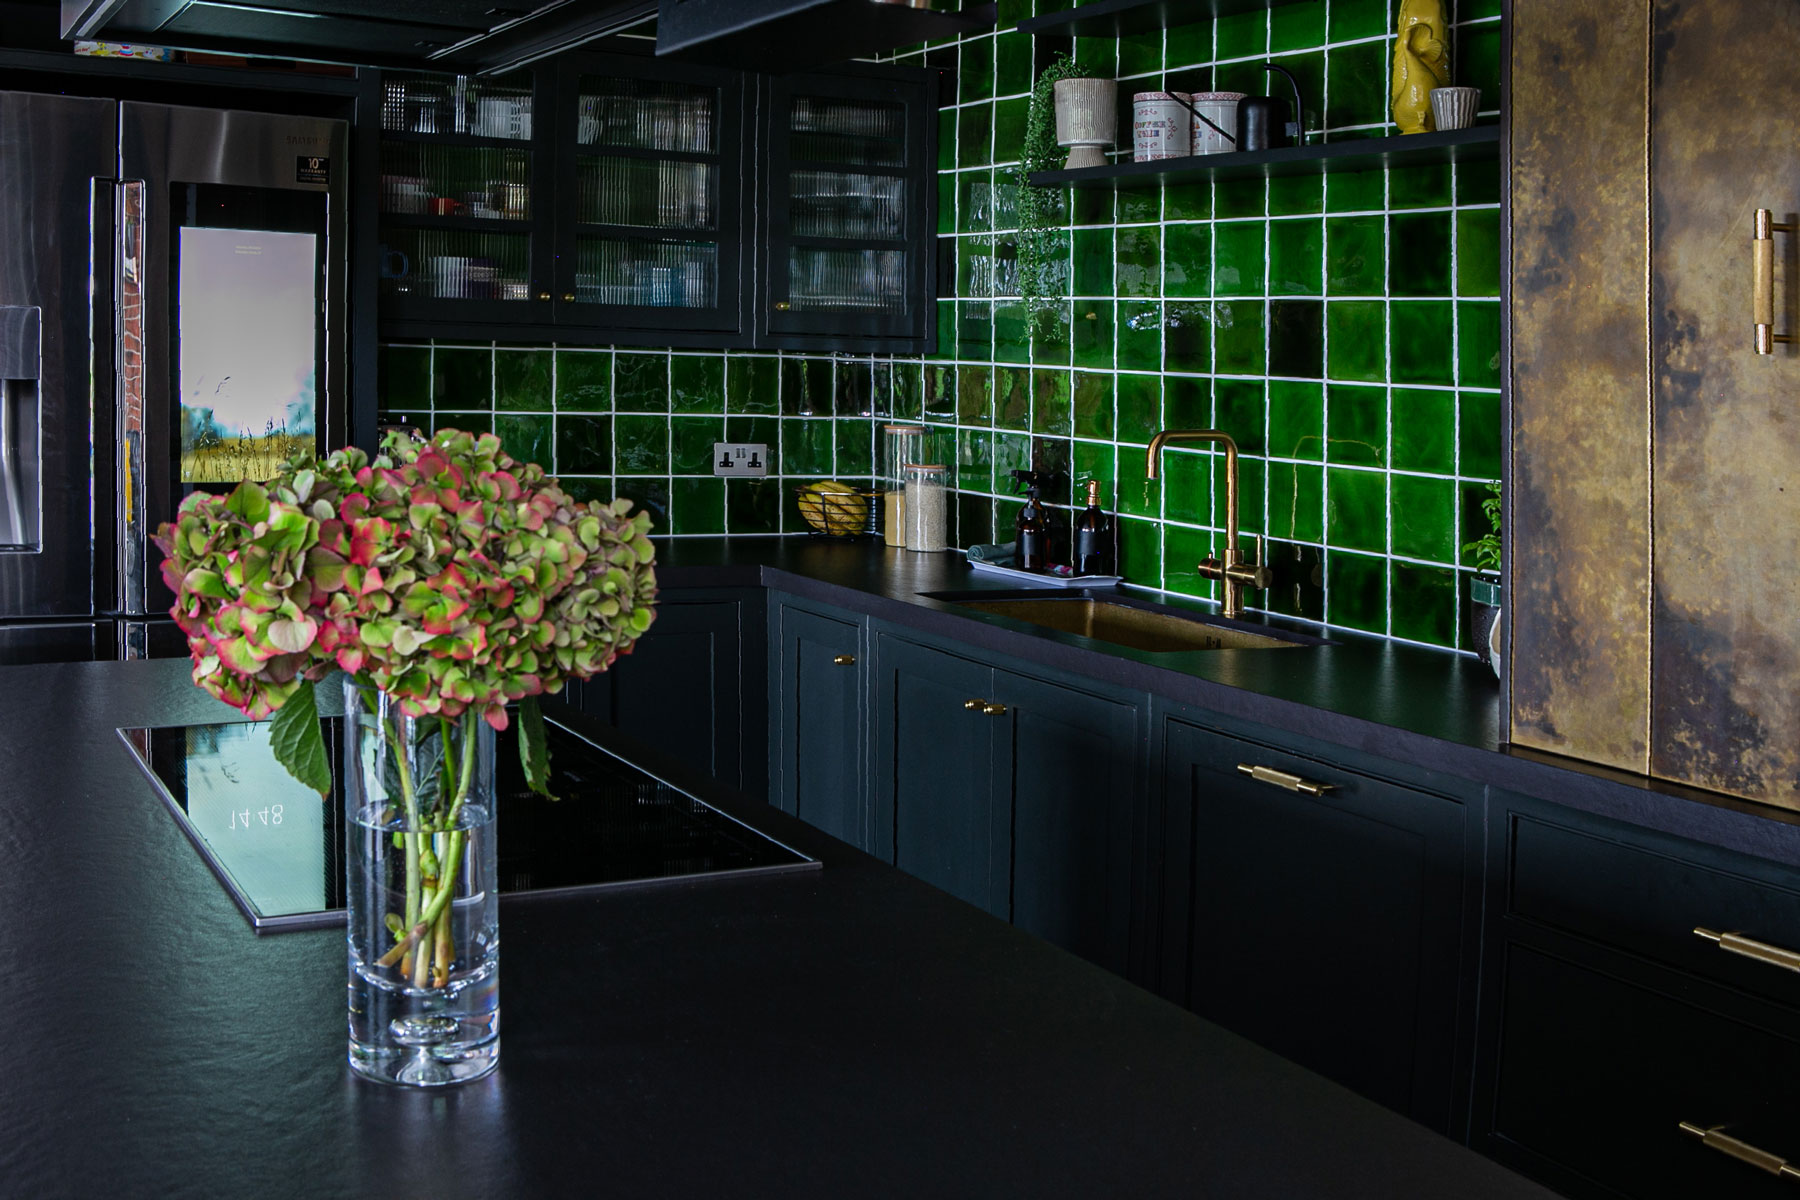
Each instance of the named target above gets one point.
<point>1234,571</point>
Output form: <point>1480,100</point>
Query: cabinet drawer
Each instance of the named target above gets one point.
<point>1650,903</point>
<point>1598,1075</point>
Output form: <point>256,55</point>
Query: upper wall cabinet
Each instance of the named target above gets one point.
<point>605,198</point>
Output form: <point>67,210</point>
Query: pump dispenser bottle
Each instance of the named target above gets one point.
<point>1032,528</point>
<point>1093,536</point>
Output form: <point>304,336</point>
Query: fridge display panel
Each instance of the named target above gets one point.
<point>248,301</point>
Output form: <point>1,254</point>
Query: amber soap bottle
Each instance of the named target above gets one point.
<point>1093,536</point>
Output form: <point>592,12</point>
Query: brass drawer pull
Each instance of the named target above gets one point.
<point>1724,1143</point>
<point>1737,943</point>
<point>844,660</point>
<point>1762,279</point>
<point>994,710</point>
<point>1282,779</point>
<point>974,705</point>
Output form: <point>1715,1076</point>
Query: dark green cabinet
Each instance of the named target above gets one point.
<point>1013,792</point>
<point>818,688</point>
<point>694,686</point>
<point>1328,923</point>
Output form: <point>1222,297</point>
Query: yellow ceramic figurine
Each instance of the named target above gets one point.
<point>1421,62</point>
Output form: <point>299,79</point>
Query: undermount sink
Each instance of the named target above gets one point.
<point>1136,624</point>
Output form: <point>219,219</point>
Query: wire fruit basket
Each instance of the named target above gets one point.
<point>838,510</point>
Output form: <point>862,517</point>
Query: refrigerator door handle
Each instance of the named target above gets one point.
<point>131,298</point>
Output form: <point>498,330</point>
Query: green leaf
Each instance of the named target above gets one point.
<point>298,744</point>
<point>534,752</point>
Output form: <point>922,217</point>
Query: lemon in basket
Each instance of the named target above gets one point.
<point>834,508</point>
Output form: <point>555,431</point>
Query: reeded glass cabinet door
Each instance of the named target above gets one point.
<point>464,199</point>
<point>651,162</point>
<point>848,250</point>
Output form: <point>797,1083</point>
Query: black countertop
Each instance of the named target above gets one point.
<point>845,1032</point>
<point>1427,708</point>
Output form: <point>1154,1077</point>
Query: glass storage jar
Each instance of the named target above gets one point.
<point>927,505</point>
<point>900,444</point>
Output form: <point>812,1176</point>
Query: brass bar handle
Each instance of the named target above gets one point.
<point>994,710</point>
<point>1737,943</point>
<point>974,705</point>
<point>1743,1151</point>
<point>1282,779</point>
<point>1763,227</point>
<point>844,660</point>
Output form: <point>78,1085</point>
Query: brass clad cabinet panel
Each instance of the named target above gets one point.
<point>1579,484</point>
<point>1725,678</point>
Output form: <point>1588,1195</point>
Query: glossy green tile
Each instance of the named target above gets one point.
<point>640,445</point>
<point>405,378</point>
<point>1356,84</point>
<point>1425,430</point>
<point>1297,26</point>
<point>1299,589</point>
<point>1095,460</point>
<point>940,391</point>
<point>1297,338</point>
<point>1357,19</point>
<point>1238,337</point>
<point>1012,332</point>
<point>973,455</point>
<point>462,380</point>
<point>697,506</point>
<point>974,395</point>
<point>1182,551</point>
<point>1012,400</point>
<point>1478,252</point>
<point>818,386</point>
<point>974,202</point>
<point>975,521</point>
<point>584,445</point>
<point>1356,591</point>
<point>1241,35</point>
<point>691,443</point>
<point>1139,250</point>
<point>766,430</point>
<point>1185,47</point>
<point>1356,509</point>
<point>1009,128</point>
<point>1478,344</point>
<point>1296,502</point>
<point>1356,425</point>
<point>1479,434</point>
<point>1091,206</point>
<point>1139,495</point>
<point>855,388</point>
<point>908,391</point>
<point>808,446</point>
<point>1134,207</point>
<point>641,383</point>
<point>1187,202</point>
<point>1051,333</point>
<point>1296,195</point>
<point>1296,419</point>
<point>1355,191</point>
<point>468,422</point>
<point>1419,187</point>
<point>1093,262</point>
<point>1139,407</point>
<point>697,383</point>
<point>1092,334</point>
<point>975,265</point>
<point>1187,404</point>
<point>1187,335</point>
<point>1424,603</point>
<point>1355,256</point>
<point>855,450</point>
<point>946,139</point>
<point>946,203</point>
<point>526,438</point>
<point>753,505</point>
<point>975,70</point>
<point>1011,452</point>
<point>1099,55</point>
<point>1139,337</point>
<point>522,381</point>
<point>1187,260</point>
<point>1424,341</point>
<point>1239,258</point>
<point>589,487</point>
<point>1239,197</point>
<point>975,135</point>
<point>1419,250</point>
<point>1478,61</point>
<point>1424,517</point>
<point>1140,53</point>
<point>752,384</point>
<point>1052,407</point>
<point>975,329</point>
<point>1478,182</point>
<point>1187,479</point>
<point>1296,253</point>
<point>1240,409</point>
<point>1140,552</point>
<point>1012,62</point>
<point>1092,402</point>
<point>584,380</point>
<point>1355,340</point>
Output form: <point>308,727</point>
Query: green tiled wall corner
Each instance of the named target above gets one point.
<point>1345,329</point>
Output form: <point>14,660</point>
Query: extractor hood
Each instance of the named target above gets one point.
<point>444,35</point>
<point>788,35</point>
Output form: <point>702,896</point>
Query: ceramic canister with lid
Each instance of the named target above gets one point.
<point>1161,126</point>
<point>1221,108</point>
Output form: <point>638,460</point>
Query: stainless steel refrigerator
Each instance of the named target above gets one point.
<point>172,318</point>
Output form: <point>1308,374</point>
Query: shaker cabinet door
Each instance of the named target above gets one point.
<point>818,704</point>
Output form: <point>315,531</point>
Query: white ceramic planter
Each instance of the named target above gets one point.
<point>1087,119</point>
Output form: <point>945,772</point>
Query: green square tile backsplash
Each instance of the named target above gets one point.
<point>1345,329</point>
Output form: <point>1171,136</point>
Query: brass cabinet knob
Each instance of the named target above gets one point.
<point>974,705</point>
<point>993,710</point>
<point>568,297</point>
<point>845,660</point>
<point>782,306</point>
<point>543,295</point>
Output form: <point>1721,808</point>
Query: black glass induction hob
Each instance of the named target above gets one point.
<point>278,847</point>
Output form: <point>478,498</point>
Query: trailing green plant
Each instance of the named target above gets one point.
<point>1042,209</point>
<point>1484,551</point>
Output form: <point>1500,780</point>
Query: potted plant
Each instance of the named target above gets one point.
<point>1485,588</point>
<point>1042,269</point>
<point>443,581</point>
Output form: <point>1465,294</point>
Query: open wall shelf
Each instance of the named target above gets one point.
<point>1121,18</point>
<point>1482,142</point>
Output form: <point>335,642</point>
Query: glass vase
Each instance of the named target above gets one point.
<point>424,936</point>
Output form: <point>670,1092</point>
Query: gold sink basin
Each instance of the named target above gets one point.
<point>1131,625</point>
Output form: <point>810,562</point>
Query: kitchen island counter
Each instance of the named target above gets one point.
<point>1408,704</point>
<point>843,1032</point>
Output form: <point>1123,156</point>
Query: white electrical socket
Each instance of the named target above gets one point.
<point>740,458</point>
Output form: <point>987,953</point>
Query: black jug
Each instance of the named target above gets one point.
<point>1264,122</point>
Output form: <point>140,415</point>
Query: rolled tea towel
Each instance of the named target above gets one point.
<point>1001,554</point>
